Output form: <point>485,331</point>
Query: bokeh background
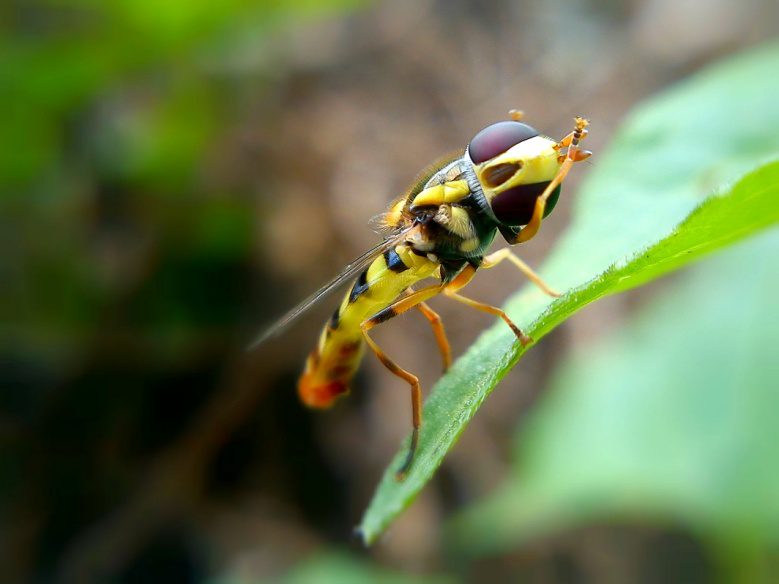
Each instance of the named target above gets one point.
<point>176,174</point>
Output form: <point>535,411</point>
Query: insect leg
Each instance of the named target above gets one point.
<point>572,156</point>
<point>495,258</point>
<point>438,330</point>
<point>460,281</point>
<point>394,309</point>
<point>568,140</point>
<point>494,310</point>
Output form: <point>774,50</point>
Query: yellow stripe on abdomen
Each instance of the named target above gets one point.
<point>332,365</point>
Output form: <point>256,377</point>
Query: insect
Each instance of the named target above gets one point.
<point>506,181</point>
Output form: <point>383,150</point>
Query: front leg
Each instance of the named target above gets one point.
<point>567,160</point>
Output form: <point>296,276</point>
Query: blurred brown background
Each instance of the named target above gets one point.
<point>174,175</point>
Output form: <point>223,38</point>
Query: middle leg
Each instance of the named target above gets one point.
<point>495,258</point>
<point>524,339</point>
<point>461,281</point>
<point>440,334</point>
<point>438,329</point>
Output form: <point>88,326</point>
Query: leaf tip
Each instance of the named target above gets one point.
<point>359,535</point>
<point>365,536</point>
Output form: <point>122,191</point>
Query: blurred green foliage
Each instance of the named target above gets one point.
<point>127,241</point>
<point>341,568</point>
<point>673,153</point>
<point>61,58</point>
<point>116,118</point>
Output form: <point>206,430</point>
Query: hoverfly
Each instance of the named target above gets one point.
<point>507,180</point>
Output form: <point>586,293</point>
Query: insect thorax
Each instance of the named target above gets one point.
<point>454,228</point>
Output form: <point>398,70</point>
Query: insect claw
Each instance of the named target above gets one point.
<point>581,123</point>
<point>358,533</point>
<point>402,472</point>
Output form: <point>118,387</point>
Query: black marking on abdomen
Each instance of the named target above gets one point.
<point>335,319</point>
<point>393,261</point>
<point>360,286</point>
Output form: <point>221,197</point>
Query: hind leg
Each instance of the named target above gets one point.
<point>399,307</point>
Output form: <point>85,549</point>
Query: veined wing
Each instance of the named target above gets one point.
<point>349,272</point>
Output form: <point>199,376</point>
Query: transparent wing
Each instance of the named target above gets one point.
<point>349,272</point>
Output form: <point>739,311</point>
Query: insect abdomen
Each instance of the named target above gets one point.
<point>331,366</point>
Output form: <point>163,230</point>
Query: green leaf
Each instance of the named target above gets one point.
<point>676,418</point>
<point>629,227</point>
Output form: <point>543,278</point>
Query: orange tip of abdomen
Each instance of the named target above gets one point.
<point>316,394</point>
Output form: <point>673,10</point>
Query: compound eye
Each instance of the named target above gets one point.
<point>497,138</point>
<point>515,206</point>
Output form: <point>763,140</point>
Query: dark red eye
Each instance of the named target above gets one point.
<point>515,206</point>
<point>497,138</point>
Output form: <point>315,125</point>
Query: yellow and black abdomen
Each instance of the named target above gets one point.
<point>331,366</point>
